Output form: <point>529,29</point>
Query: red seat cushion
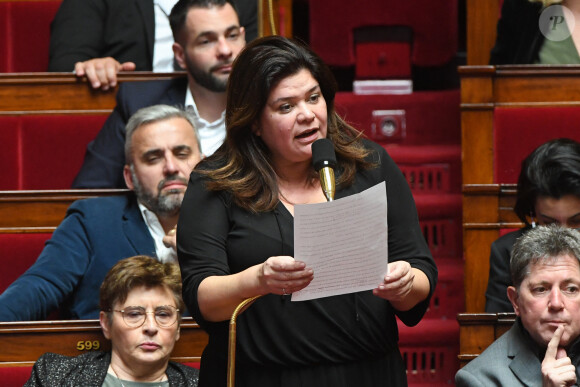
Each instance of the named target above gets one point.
<point>19,251</point>
<point>432,117</point>
<point>25,35</point>
<point>379,60</point>
<point>9,152</point>
<point>518,131</point>
<point>434,25</point>
<point>14,376</point>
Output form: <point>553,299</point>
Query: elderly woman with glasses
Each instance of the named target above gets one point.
<point>141,306</point>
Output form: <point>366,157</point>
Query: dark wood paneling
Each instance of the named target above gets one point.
<point>42,93</point>
<point>41,211</point>
<point>23,343</point>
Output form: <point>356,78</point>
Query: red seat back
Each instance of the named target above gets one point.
<point>15,376</point>
<point>518,131</point>
<point>18,252</point>
<point>44,151</point>
<point>25,35</point>
<point>433,25</point>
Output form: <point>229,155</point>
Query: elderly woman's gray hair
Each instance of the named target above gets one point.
<point>542,244</point>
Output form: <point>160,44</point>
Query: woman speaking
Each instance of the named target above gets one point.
<point>235,235</point>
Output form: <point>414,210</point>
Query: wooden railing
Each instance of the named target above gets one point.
<point>41,211</point>
<point>23,343</point>
<point>487,208</point>
<point>487,205</point>
<point>42,93</point>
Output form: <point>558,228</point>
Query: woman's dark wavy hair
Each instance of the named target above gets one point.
<point>242,164</point>
<point>552,170</point>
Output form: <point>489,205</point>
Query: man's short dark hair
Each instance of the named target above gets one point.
<point>179,12</point>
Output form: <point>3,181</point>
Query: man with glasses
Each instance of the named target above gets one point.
<point>161,150</point>
<point>141,306</point>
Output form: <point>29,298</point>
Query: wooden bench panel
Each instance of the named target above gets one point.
<point>482,17</point>
<point>487,209</point>
<point>41,211</point>
<point>487,206</point>
<point>23,343</point>
<point>35,93</point>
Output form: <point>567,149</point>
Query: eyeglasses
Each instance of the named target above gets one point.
<point>134,316</point>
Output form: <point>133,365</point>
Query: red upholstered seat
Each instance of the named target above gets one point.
<point>25,35</point>
<point>433,25</point>
<point>518,131</point>
<point>18,252</point>
<point>44,151</point>
<point>54,147</point>
<point>430,351</point>
<point>432,117</point>
<point>9,153</point>
<point>15,376</point>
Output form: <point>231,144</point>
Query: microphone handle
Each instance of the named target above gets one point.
<point>327,182</point>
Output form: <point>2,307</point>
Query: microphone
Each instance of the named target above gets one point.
<point>324,161</point>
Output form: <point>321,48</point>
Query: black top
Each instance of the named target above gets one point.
<point>496,300</point>
<point>519,38</point>
<point>347,340</point>
<point>90,370</point>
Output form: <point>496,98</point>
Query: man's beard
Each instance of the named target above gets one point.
<point>165,203</point>
<point>207,79</point>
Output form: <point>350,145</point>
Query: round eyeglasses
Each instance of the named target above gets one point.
<point>135,316</point>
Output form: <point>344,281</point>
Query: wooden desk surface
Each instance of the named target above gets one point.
<point>63,93</point>
<point>23,343</point>
<point>41,211</point>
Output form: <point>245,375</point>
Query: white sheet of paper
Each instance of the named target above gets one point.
<point>344,241</point>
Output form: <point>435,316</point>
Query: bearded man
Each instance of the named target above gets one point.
<point>208,38</point>
<point>162,148</point>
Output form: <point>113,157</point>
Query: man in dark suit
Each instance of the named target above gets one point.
<point>543,346</point>
<point>208,38</point>
<point>99,38</point>
<point>162,149</point>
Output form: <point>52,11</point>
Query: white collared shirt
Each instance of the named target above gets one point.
<point>163,61</point>
<point>164,254</point>
<point>211,134</point>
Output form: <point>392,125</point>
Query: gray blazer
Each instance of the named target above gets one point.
<point>511,360</point>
